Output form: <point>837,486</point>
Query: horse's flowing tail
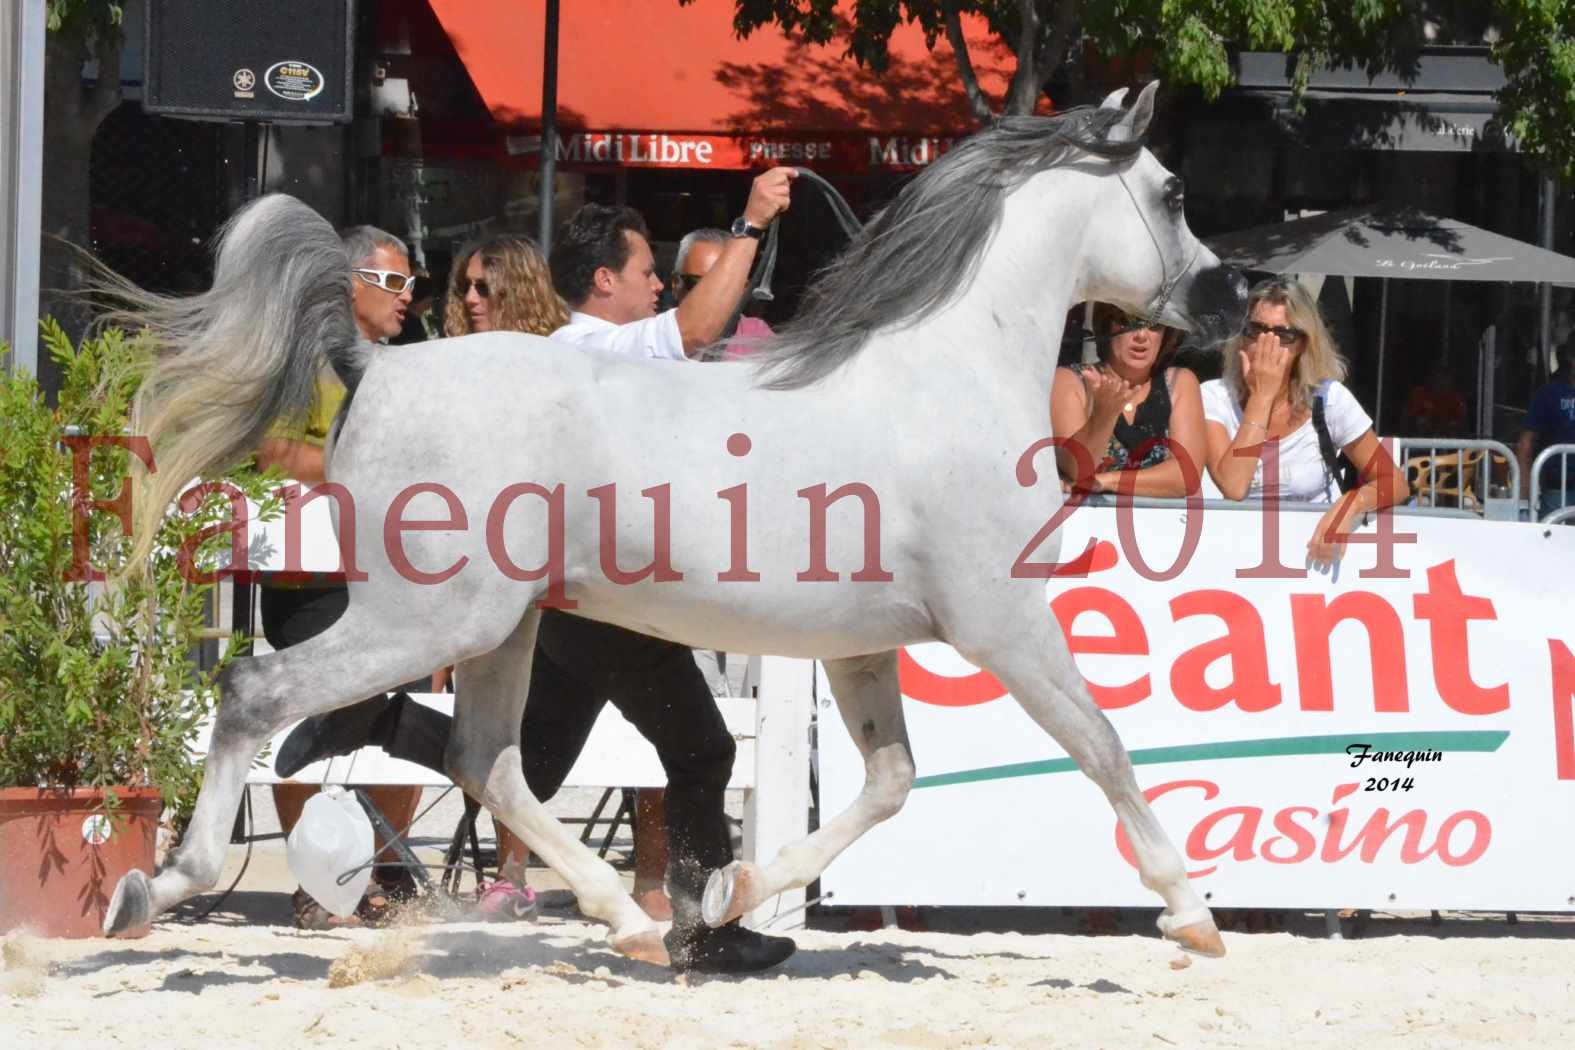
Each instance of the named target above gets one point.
<point>247,352</point>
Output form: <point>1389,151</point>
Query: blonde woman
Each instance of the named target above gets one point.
<point>1273,372</point>
<point>502,284</point>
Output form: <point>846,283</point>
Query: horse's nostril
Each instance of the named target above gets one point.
<point>1236,282</point>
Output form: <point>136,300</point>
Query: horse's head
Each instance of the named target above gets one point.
<point>1142,257</point>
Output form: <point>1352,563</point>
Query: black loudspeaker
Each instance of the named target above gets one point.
<point>279,61</point>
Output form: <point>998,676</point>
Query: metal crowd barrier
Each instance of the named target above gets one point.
<point>1449,477</point>
<point>1564,454</point>
<point>1460,472</point>
<point>1562,516</point>
<point>1108,499</point>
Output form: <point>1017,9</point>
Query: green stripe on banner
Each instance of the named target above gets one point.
<point>1482,741</point>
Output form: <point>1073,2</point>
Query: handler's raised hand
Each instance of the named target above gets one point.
<point>769,196</point>
<point>1264,365</point>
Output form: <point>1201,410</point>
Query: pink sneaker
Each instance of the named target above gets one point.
<point>502,901</point>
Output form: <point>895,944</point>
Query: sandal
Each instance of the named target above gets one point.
<point>376,909</point>
<point>384,900</point>
<point>502,901</point>
<point>401,889</point>
<point>309,915</point>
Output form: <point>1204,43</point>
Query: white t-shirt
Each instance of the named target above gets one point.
<point>654,337</point>
<point>1303,475</point>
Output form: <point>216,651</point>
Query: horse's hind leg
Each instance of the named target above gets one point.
<point>258,696</point>
<point>870,703</point>
<point>1037,668</point>
<point>484,759</point>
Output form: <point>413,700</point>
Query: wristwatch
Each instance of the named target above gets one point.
<point>742,228</point>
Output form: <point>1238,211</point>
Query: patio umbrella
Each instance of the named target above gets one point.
<point>1386,241</point>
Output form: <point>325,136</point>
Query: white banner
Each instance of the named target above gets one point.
<point>1313,741</point>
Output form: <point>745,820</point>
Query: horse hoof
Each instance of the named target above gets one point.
<point>646,946</point>
<point>730,892</point>
<point>1200,938</point>
<point>132,905</point>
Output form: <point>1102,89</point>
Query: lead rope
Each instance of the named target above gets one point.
<point>759,287</point>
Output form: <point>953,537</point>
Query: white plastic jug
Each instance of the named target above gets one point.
<point>332,836</point>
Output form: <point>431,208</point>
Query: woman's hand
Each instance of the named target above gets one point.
<point>1108,395</point>
<point>1327,544</point>
<point>1104,481</point>
<point>1264,366</point>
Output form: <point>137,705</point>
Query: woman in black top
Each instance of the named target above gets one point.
<point>1122,409</point>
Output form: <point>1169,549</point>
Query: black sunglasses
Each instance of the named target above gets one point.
<point>1128,323</point>
<point>482,288</point>
<point>687,281</point>
<point>1286,336</point>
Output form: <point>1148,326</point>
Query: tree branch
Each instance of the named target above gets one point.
<point>954,36</point>
<point>63,76</point>
<point>105,97</point>
<point>1052,54</point>
<point>1025,82</point>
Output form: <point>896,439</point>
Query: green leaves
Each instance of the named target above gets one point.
<point>1536,49</point>
<point>98,685</point>
<point>1191,42</point>
<point>84,19</point>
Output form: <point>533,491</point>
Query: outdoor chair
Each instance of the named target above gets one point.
<point>1450,479</point>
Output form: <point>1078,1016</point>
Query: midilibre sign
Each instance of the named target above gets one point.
<point>665,149</point>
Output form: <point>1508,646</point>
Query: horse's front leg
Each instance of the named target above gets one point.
<point>1015,639</point>
<point>870,702</point>
<point>483,758</point>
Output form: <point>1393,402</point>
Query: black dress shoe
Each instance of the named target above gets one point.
<point>725,949</point>
<point>337,733</point>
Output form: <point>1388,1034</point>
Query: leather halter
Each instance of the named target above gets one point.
<point>1168,282</point>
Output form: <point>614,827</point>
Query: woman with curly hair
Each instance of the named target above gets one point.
<point>1275,373</point>
<point>501,283</point>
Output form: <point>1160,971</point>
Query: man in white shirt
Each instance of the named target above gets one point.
<point>603,267</point>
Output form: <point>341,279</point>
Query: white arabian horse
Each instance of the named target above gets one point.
<point>911,397</point>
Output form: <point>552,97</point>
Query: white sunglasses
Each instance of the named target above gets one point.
<point>389,280</point>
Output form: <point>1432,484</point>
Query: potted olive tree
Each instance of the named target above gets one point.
<point>99,690</point>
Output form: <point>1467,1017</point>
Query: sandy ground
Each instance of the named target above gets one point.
<point>246,977</point>
<point>554,985</point>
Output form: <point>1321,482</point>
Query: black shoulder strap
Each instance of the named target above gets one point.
<point>1334,460</point>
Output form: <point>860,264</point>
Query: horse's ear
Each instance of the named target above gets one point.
<point>1113,100</point>
<point>1142,111</point>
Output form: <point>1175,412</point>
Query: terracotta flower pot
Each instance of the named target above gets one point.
<point>61,859</point>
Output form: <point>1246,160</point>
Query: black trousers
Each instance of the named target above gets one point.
<point>291,615</point>
<point>580,665</point>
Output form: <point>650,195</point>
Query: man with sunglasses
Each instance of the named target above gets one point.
<point>381,286</point>
<point>698,252</point>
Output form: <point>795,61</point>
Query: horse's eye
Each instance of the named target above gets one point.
<point>1175,195</point>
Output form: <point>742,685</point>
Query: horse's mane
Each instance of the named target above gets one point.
<point>922,249</point>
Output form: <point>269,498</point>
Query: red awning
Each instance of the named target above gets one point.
<point>650,83</point>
